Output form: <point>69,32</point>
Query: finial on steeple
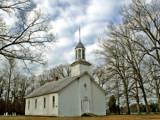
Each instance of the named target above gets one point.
<point>79,34</point>
<point>80,45</point>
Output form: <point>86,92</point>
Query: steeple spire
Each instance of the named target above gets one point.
<point>80,45</point>
<point>79,34</point>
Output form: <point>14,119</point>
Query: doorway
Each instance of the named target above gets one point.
<point>86,105</point>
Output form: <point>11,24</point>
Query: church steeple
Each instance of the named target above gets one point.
<point>80,50</point>
<point>80,65</point>
<point>79,34</point>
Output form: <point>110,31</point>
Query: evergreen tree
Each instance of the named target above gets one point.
<point>112,105</point>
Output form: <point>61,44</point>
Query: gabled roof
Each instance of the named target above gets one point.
<point>51,87</point>
<point>56,86</point>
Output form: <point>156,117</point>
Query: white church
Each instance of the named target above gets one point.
<point>72,96</point>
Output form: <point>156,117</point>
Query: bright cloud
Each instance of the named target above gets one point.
<point>93,17</point>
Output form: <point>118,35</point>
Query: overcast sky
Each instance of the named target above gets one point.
<point>92,16</point>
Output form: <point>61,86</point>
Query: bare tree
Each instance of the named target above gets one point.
<point>100,75</point>
<point>116,64</point>
<point>154,74</point>
<point>14,87</point>
<point>133,57</point>
<point>129,45</point>
<point>29,34</point>
<point>2,84</point>
<point>53,74</point>
<point>143,18</point>
<point>9,71</point>
<point>63,70</point>
<point>24,84</point>
<point>44,78</point>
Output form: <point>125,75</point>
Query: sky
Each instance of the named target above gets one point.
<point>66,16</point>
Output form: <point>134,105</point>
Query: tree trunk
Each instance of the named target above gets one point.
<point>158,96</point>
<point>157,92</point>
<point>143,92</point>
<point>118,107</point>
<point>159,102</point>
<point>118,97</point>
<point>127,104</point>
<point>127,101</point>
<point>8,92</point>
<point>145,99</point>
<point>137,99</point>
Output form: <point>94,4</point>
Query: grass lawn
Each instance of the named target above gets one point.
<point>109,117</point>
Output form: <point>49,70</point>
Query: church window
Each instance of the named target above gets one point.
<point>44,102</point>
<point>83,54</point>
<point>35,103</point>
<point>28,104</point>
<point>53,101</point>
<point>79,52</point>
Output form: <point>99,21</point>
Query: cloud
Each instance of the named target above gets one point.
<point>90,52</point>
<point>98,10</point>
<point>148,1</point>
<point>93,17</point>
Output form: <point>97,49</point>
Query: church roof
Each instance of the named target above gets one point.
<point>80,45</point>
<point>56,86</point>
<point>51,87</point>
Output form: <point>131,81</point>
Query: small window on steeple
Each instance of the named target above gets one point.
<point>79,52</point>
<point>83,54</point>
<point>76,54</point>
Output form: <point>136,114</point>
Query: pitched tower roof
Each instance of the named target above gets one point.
<point>80,45</point>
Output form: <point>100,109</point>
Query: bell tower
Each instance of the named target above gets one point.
<point>80,65</point>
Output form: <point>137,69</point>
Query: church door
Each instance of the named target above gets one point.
<point>86,105</point>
